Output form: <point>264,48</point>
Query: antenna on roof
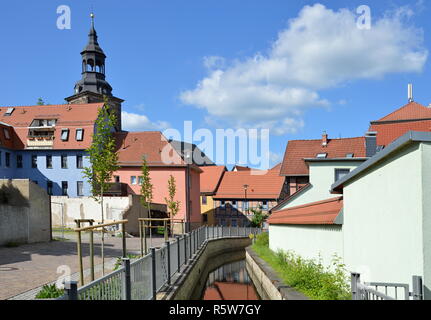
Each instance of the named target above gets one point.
<point>410,92</point>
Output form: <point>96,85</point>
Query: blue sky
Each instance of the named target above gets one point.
<point>157,51</point>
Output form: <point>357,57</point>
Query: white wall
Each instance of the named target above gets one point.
<point>308,241</point>
<point>87,208</point>
<point>383,237</point>
<point>322,176</point>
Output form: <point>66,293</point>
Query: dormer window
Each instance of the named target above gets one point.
<point>6,133</point>
<point>64,134</point>
<point>321,155</point>
<point>79,134</point>
<point>9,112</point>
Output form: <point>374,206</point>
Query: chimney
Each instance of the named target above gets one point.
<point>324,139</point>
<point>410,92</point>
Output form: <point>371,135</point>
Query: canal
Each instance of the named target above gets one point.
<point>226,278</point>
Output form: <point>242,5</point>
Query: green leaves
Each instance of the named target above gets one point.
<point>101,154</point>
<point>146,186</point>
<point>309,276</point>
<point>258,218</point>
<point>49,291</point>
<point>173,206</point>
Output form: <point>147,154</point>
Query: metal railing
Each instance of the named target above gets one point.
<point>145,277</point>
<point>384,290</point>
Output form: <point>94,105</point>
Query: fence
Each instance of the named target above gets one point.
<point>143,278</point>
<point>374,290</point>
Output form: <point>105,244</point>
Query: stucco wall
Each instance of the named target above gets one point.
<point>87,208</point>
<point>383,234</point>
<point>24,212</point>
<point>322,176</point>
<point>308,241</point>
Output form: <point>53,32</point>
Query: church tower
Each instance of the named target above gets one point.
<point>93,87</point>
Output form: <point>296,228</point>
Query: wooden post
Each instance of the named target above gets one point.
<point>165,224</point>
<point>144,226</point>
<point>141,238</point>
<point>79,244</point>
<point>91,253</point>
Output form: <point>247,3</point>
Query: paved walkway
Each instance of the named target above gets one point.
<point>30,266</point>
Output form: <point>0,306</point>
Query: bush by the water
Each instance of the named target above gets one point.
<point>308,276</point>
<point>49,291</point>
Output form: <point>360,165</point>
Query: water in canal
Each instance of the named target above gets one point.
<point>229,282</point>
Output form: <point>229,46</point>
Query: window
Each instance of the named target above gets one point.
<point>19,161</point>
<point>234,204</point>
<point>265,205</point>
<point>322,155</point>
<point>79,164</point>
<point>80,188</point>
<point>63,161</point>
<point>9,111</point>
<point>204,200</point>
<point>34,161</point>
<point>350,155</point>
<point>79,134</point>
<point>340,173</point>
<point>49,162</point>
<point>64,134</point>
<point>245,205</point>
<point>49,187</point>
<point>117,179</point>
<point>140,180</point>
<point>222,204</point>
<point>64,186</point>
<point>6,133</point>
<point>133,179</point>
<point>7,160</point>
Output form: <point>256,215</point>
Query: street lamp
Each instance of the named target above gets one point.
<point>245,195</point>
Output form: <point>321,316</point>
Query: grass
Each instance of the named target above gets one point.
<point>308,276</point>
<point>49,292</point>
<point>119,262</point>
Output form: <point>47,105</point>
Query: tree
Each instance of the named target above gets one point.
<point>258,218</point>
<point>173,206</point>
<point>40,102</point>
<point>103,159</point>
<point>146,188</point>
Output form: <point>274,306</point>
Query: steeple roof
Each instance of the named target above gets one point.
<point>92,45</point>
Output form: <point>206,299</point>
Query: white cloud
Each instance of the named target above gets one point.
<point>319,49</point>
<point>139,122</point>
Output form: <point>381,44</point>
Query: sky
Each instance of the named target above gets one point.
<point>297,68</point>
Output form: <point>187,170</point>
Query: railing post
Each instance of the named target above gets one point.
<point>153,272</point>
<point>355,279</point>
<point>71,290</point>
<point>185,249</point>
<point>190,245</point>
<point>127,285</point>
<point>417,288</point>
<point>178,253</point>
<point>123,232</point>
<point>230,232</point>
<point>168,246</point>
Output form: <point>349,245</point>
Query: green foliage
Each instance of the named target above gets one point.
<point>119,261</point>
<point>49,291</point>
<point>146,186</point>
<point>258,218</point>
<point>101,154</point>
<point>40,102</point>
<point>173,206</point>
<point>308,276</point>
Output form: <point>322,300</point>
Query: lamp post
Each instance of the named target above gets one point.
<point>245,196</point>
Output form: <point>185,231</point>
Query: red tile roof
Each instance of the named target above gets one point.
<point>412,110</point>
<point>211,178</point>
<point>297,150</point>
<point>132,146</point>
<point>71,116</point>
<point>411,117</point>
<point>316,213</point>
<point>261,185</point>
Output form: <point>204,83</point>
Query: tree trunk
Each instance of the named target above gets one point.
<point>151,224</point>
<point>103,234</point>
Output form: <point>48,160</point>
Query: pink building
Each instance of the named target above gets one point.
<point>163,160</point>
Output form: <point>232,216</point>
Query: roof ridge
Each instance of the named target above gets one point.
<point>347,138</point>
<point>404,106</point>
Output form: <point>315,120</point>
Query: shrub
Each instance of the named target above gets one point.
<point>49,291</point>
<point>308,276</point>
